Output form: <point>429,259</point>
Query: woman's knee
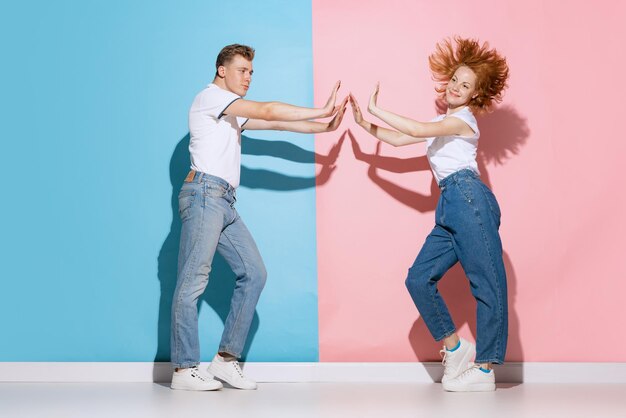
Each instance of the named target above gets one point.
<point>416,281</point>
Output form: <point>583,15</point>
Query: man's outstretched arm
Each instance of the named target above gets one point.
<point>277,111</point>
<point>304,126</point>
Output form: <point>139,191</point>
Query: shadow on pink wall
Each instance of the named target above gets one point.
<point>503,133</point>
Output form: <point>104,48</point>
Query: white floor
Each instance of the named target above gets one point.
<point>342,400</point>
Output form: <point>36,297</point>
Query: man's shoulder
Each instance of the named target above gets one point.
<point>213,95</point>
<point>217,90</point>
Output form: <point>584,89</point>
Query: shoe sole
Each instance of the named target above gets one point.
<point>217,375</point>
<point>477,387</point>
<point>186,387</point>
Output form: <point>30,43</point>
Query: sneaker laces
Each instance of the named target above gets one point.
<point>444,355</point>
<point>444,360</point>
<point>469,371</point>
<point>196,373</point>
<point>237,368</point>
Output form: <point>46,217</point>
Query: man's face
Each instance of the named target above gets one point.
<point>237,75</point>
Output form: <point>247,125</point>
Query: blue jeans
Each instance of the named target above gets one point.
<point>209,223</point>
<point>467,220</point>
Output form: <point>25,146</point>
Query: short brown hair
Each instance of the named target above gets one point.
<point>229,51</point>
<point>489,66</point>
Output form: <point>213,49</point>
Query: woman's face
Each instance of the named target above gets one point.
<point>461,87</point>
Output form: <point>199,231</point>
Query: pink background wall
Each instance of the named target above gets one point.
<point>553,154</point>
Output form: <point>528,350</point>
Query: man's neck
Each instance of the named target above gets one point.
<point>219,82</point>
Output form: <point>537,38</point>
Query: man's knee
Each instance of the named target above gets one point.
<point>258,276</point>
<point>191,291</point>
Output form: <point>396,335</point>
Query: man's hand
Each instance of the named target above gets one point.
<point>356,110</point>
<point>336,121</point>
<point>330,108</point>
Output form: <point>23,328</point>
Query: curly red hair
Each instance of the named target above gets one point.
<point>489,66</point>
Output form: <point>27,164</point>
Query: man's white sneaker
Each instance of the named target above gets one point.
<point>192,378</point>
<point>472,380</point>
<point>230,372</point>
<point>456,362</point>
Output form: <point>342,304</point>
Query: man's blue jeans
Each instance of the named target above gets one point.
<point>209,223</point>
<point>467,220</point>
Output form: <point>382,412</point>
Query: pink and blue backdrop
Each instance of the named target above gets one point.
<point>94,143</point>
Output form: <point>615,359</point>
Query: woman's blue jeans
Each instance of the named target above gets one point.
<point>467,220</point>
<point>210,223</point>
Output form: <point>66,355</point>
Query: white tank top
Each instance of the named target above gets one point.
<point>449,154</point>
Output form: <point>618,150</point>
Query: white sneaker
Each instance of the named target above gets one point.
<point>457,361</point>
<point>230,372</point>
<point>472,380</point>
<point>192,378</point>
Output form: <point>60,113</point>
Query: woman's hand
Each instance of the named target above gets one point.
<point>373,98</point>
<point>356,110</point>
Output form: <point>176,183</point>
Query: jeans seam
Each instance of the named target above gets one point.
<point>490,360</point>
<point>185,365</point>
<point>489,203</point>
<point>498,289</point>
<point>245,266</point>
<point>226,349</point>
<point>193,257</point>
<point>432,297</point>
<point>445,335</point>
<point>468,196</point>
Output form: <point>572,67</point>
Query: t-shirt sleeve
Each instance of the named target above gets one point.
<point>241,121</point>
<point>467,117</point>
<point>217,101</point>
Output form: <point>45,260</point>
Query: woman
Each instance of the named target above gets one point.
<point>471,79</point>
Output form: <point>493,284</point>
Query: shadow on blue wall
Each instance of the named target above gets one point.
<point>503,133</point>
<point>222,281</point>
<point>270,180</point>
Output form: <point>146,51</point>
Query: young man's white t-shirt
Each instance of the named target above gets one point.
<point>449,154</point>
<point>215,138</point>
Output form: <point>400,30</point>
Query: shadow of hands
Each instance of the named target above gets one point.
<point>410,198</point>
<point>271,180</point>
<point>328,162</point>
<point>392,164</point>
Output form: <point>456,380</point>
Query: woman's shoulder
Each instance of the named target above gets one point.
<point>466,111</point>
<point>465,114</point>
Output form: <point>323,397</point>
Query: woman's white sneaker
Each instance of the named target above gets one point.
<point>456,362</point>
<point>192,378</point>
<point>472,380</point>
<point>231,373</point>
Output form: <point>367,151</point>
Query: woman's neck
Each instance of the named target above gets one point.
<point>452,110</point>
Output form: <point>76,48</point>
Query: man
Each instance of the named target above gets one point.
<point>210,222</point>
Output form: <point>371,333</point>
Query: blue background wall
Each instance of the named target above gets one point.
<point>94,148</point>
